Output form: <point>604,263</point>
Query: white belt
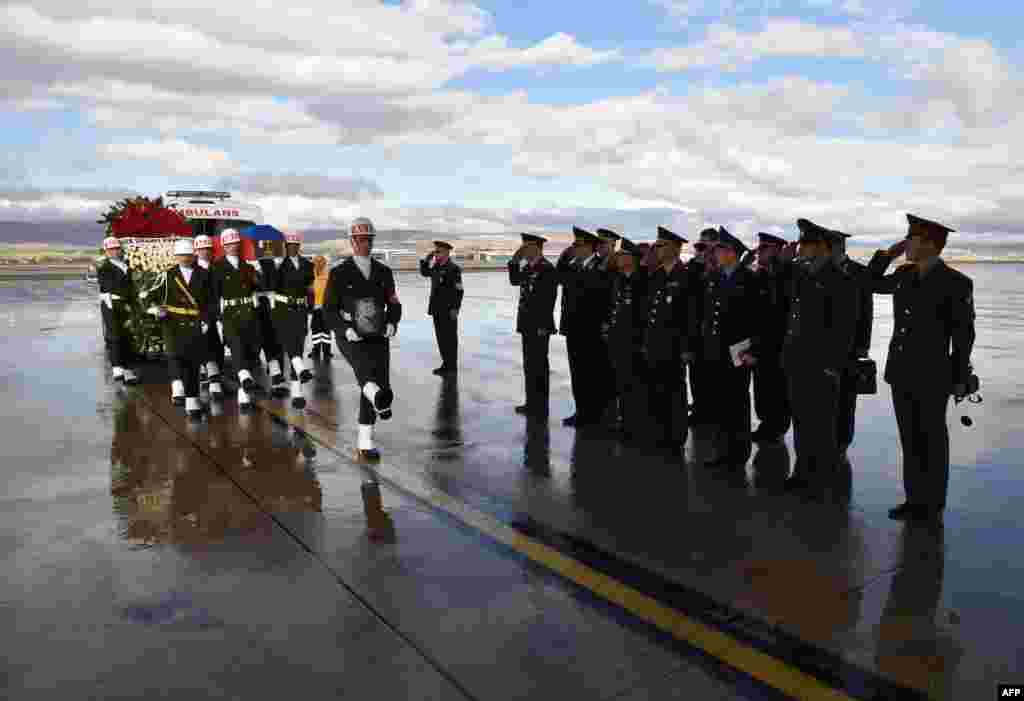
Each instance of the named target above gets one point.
<point>238,301</point>
<point>285,299</point>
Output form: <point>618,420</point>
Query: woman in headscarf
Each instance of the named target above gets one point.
<point>320,334</point>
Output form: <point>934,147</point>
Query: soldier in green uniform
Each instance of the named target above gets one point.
<point>771,401</point>
<point>183,302</point>
<point>668,341</point>
<point>624,330</point>
<point>445,301</point>
<point>815,353</point>
<point>858,273</point>
<point>537,281</point>
<point>117,293</point>
<point>929,358</point>
<point>236,286</point>
<point>273,349</point>
<point>731,323</point>
<point>289,307</point>
<point>215,360</point>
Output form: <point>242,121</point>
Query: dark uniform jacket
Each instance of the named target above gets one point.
<point>538,287</point>
<point>445,286</point>
<point>119,284</point>
<point>292,282</point>
<point>627,313</point>
<point>822,318</point>
<point>933,320</point>
<point>774,291</point>
<point>235,287</point>
<point>183,334</point>
<point>365,305</point>
<point>732,311</point>
<point>859,273</point>
<point>670,327</point>
<point>585,296</point>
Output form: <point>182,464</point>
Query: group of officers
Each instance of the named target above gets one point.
<point>644,332</point>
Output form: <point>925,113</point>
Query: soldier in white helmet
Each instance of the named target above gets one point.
<point>182,300</point>
<point>362,308</point>
<point>289,311</point>
<point>215,360</point>
<point>116,290</point>
<point>236,285</point>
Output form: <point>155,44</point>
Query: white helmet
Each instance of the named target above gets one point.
<point>111,242</point>
<point>362,226</point>
<point>229,236</point>
<point>203,241</point>
<point>293,237</point>
<point>183,247</point>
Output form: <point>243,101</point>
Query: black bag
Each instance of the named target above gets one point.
<point>865,375</point>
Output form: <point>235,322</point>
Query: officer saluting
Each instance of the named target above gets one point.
<point>183,302</point>
<point>770,395</point>
<point>627,319</point>
<point>815,352</point>
<point>929,358</point>
<point>203,246</point>
<point>667,341</point>
<point>116,295</point>
<point>731,325</point>
<point>288,310</point>
<point>362,307</point>
<point>585,301</point>
<point>537,281</point>
<point>445,301</point>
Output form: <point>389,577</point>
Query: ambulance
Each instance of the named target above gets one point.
<point>210,212</point>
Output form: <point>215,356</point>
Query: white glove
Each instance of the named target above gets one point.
<point>390,331</point>
<point>351,335</point>
<point>220,330</point>
<point>270,298</point>
<point>205,327</point>
<point>143,295</point>
<point>256,300</point>
<point>105,299</point>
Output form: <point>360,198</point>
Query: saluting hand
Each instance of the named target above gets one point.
<point>788,252</point>
<point>897,249</point>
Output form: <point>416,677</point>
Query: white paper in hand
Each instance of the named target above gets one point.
<point>736,349</point>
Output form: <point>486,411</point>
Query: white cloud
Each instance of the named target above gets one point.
<point>557,50</point>
<point>177,157</point>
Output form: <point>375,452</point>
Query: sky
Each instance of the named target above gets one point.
<point>500,117</point>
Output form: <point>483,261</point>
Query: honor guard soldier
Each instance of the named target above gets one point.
<point>203,246</point>
<point>627,319</point>
<point>771,401</point>
<point>668,341</point>
<point>859,274</point>
<point>320,335</point>
<point>445,301</point>
<point>363,308</point>
<point>698,267</point>
<point>237,287</point>
<point>929,358</point>
<point>815,352</point>
<point>117,294</point>
<point>585,300</point>
<point>182,301</point>
<point>273,349</point>
<point>731,323</point>
<point>607,240</point>
<point>289,310</point>
<point>537,281</point>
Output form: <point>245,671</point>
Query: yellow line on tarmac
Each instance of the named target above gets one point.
<point>716,643</point>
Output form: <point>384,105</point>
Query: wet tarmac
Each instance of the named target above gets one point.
<point>147,556</point>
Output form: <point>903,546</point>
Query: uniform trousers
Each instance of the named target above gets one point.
<point>630,387</point>
<point>668,398</point>
<point>446,331</point>
<point>847,415</point>
<point>924,436</point>
<point>814,398</point>
<point>186,369</point>
<point>771,396</point>
<point>588,374</point>
<point>536,370</point>
<point>186,351</point>
<point>370,360</point>
<point>699,390</point>
<point>215,346</point>
<point>319,333</point>
<point>242,335</point>
<point>729,407</point>
<point>290,332</point>
<point>116,338</point>
<point>269,343</point>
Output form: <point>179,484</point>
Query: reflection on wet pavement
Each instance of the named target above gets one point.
<point>121,517</point>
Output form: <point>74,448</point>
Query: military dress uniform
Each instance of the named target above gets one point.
<point>701,386</point>
<point>214,341</point>
<point>320,335</point>
<point>627,318</point>
<point>585,299</point>
<point>236,287</point>
<point>847,418</point>
<point>771,397</point>
<point>364,306</point>
<point>815,352</point>
<point>611,384</point>
<point>929,355</point>
<point>117,294</point>
<point>188,305</point>
<point>289,310</point>
<point>535,322</point>
<point>270,343</point>
<point>732,314</point>
<point>445,301</point>
<point>668,337</point>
